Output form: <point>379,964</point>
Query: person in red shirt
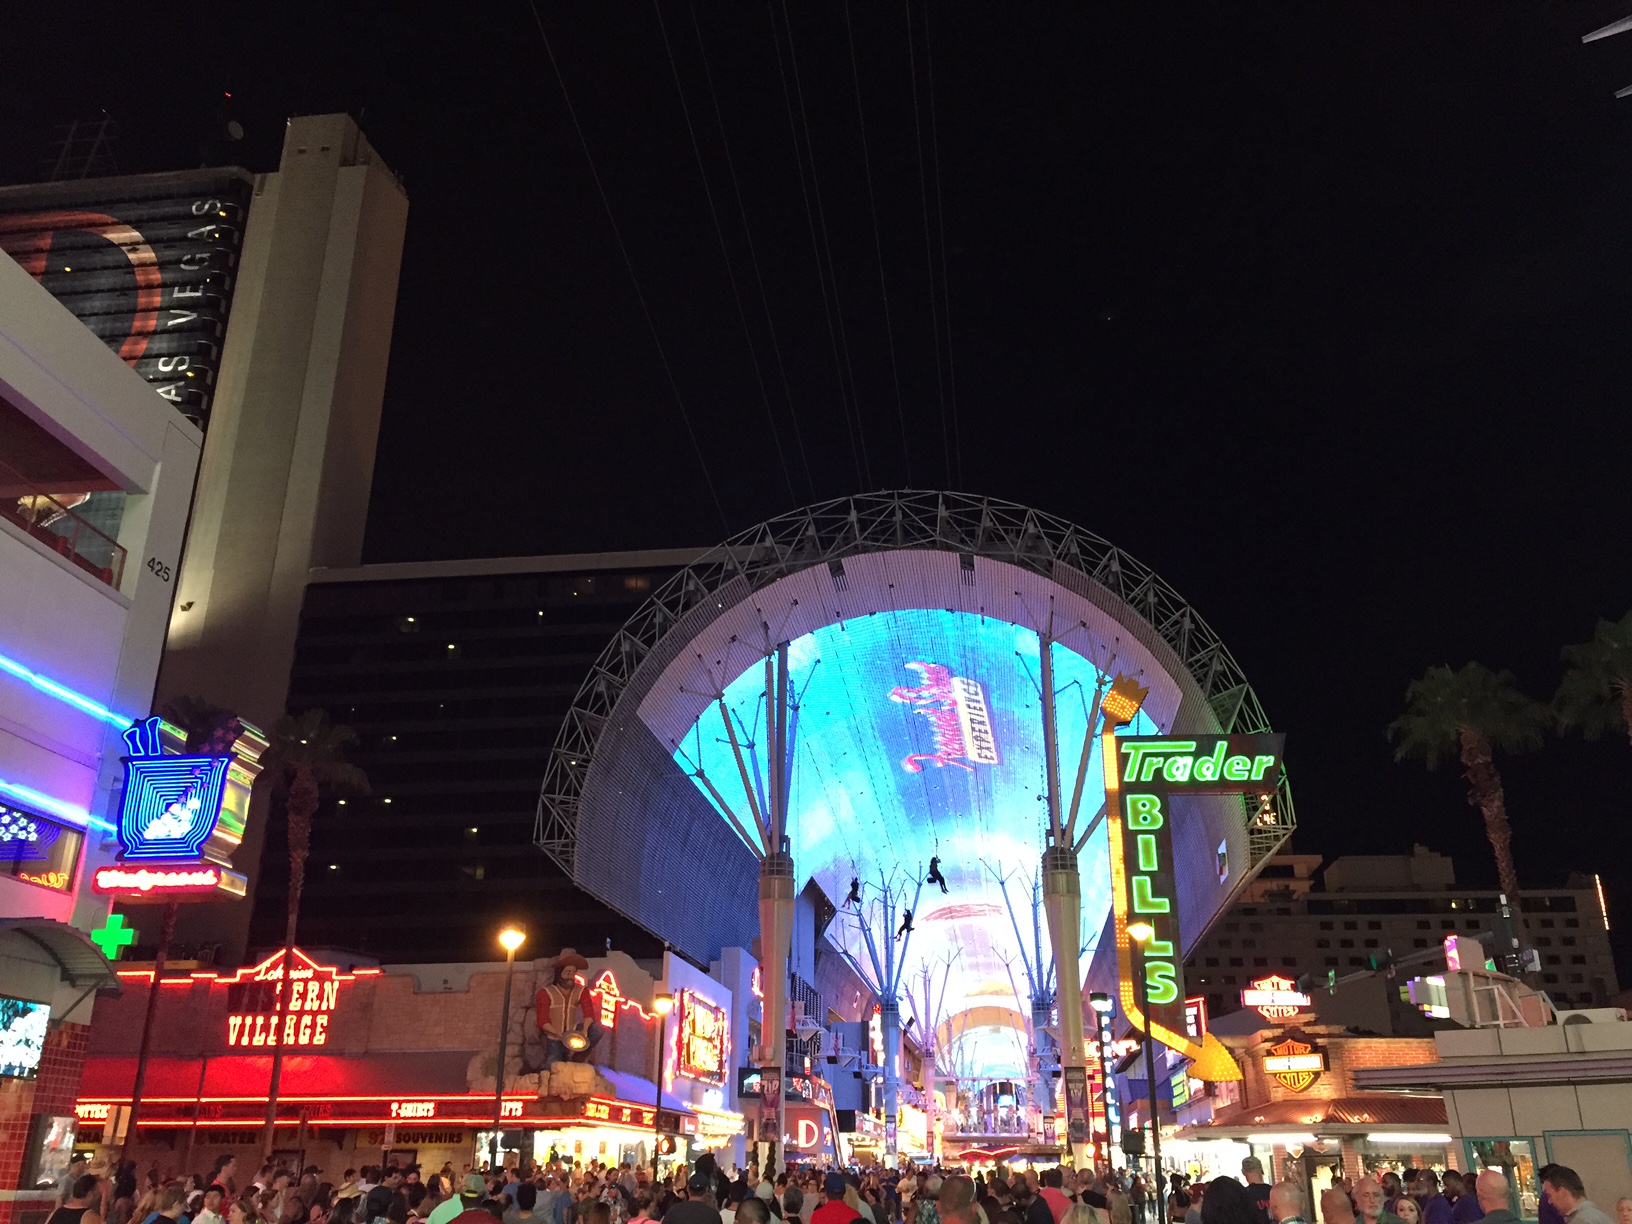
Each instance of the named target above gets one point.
<point>834,1210</point>
<point>1053,1195</point>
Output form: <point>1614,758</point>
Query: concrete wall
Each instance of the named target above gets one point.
<point>71,627</point>
<point>57,619</point>
<point>286,473</point>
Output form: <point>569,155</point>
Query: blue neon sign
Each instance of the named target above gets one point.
<point>64,694</point>
<point>171,803</point>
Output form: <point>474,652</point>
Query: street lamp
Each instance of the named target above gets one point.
<point>1141,933</point>
<point>662,1004</point>
<point>510,939</point>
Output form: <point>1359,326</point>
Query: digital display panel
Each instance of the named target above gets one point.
<point>38,849</point>
<point>918,734</point>
<point>146,262</point>
<point>22,1036</point>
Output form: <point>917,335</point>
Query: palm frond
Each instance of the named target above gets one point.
<point>1591,696</point>
<point>1445,703</point>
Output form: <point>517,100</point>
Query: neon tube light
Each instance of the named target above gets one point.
<point>55,807</point>
<point>1603,906</point>
<point>64,694</point>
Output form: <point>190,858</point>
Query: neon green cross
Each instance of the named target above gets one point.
<point>112,936</point>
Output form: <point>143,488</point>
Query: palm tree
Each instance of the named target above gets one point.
<point>1596,693</point>
<point>306,759</point>
<point>211,729</point>
<point>1473,713</point>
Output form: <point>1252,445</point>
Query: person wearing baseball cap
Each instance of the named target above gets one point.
<point>834,1210</point>
<point>701,1207</point>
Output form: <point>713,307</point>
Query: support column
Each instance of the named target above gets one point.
<point>1062,902</point>
<point>775,944</point>
<point>1042,1087</point>
<point>889,1018</point>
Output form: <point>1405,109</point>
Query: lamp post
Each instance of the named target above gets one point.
<point>509,939</point>
<point>1141,933</point>
<point>662,1004</point>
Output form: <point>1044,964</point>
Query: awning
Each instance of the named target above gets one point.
<point>240,1076</point>
<point>78,960</point>
<point>639,1091</point>
<point>1576,1067</point>
<point>1334,1116</point>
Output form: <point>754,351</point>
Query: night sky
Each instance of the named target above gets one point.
<point>1333,301</point>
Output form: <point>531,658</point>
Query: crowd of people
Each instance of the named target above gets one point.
<point>559,1192</point>
<point>1418,1196</point>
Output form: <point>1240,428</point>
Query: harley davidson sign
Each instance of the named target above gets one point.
<point>1297,1064</point>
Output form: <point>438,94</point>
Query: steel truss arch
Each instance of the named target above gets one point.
<point>830,531</point>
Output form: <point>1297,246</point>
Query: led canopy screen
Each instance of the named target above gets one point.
<point>919,735</point>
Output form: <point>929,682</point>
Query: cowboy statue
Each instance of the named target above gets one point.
<point>567,1027</point>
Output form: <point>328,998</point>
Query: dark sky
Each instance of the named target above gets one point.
<point>1341,292</point>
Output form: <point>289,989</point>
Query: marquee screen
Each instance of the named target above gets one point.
<point>919,734</point>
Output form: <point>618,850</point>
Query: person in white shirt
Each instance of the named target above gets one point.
<point>211,1213</point>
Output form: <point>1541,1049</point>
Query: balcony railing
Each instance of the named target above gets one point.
<point>50,519</point>
<point>985,1124</point>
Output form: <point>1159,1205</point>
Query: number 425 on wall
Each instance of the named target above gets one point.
<point>158,569</point>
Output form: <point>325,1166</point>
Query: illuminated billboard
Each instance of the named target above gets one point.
<point>147,262</point>
<point>918,735</point>
<point>911,623</point>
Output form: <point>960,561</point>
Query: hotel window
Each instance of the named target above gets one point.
<point>1290,962</point>
<point>1330,962</point>
<point>1325,926</point>
<point>1212,963</point>
<point>1345,943</point>
<point>1235,963</point>
<point>1261,962</point>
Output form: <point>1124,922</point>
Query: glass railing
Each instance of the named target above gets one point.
<point>986,1124</point>
<point>50,519</point>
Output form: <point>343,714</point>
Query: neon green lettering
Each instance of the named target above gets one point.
<point>1145,759</point>
<point>1158,947</point>
<point>1143,900</point>
<point>1259,765</point>
<point>1177,769</point>
<point>1207,768</point>
<point>1144,811</point>
<point>1236,769</point>
<point>1146,842</point>
<point>1161,983</point>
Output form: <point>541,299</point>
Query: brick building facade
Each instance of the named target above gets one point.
<point>404,1058</point>
<point>1298,1109</point>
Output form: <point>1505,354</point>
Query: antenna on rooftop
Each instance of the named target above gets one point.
<point>84,149</point>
